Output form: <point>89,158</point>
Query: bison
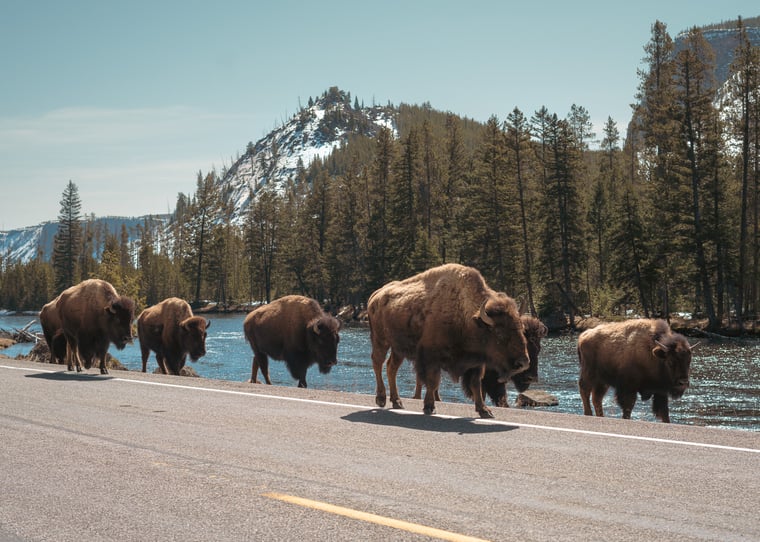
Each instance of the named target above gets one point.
<point>636,356</point>
<point>92,316</point>
<point>296,330</point>
<point>50,320</point>
<point>534,331</point>
<point>446,318</point>
<point>171,331</point>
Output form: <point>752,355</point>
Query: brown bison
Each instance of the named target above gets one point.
<point>446,318</point>
<point>171,331</point>
<point>52,330</point>
<point>296,330</point>
<point>534,331</point>
<point>636,356</point>
<point>92,316</point>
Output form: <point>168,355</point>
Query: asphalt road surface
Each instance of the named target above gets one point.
<point>150,457</point>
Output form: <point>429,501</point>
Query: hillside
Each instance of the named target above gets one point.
<point>326,124</point>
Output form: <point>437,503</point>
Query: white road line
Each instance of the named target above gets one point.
<point>411,413</point>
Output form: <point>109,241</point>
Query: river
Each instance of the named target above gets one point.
<point>724,391</point>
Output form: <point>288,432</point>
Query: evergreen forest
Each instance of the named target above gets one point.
<point>659,217</point>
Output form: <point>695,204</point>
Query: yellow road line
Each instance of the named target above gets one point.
<point>373,518</point>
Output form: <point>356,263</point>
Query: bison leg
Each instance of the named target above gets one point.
<point>660,407</point>
<point>475,386</point>
<point>585,392</point>
<point>260,361</point>
<point>626,400</point>
<point>394,362</point>
<point>145,353</point>
<point>161,363</point>
<point>418,391</point>
<point>378,358</point>
<point>432,378</point>
<point>597,394</point>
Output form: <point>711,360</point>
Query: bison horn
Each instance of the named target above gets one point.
<point>484,316</point>
<point>658,343</point>
<point>208,323</point>
<point>693,346</point>
<point>315,327</point>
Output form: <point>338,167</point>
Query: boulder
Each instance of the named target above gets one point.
<point>536,398</point>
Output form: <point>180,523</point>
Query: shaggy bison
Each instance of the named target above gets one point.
<point>171,331</point>
<point>445,319</point>
<point>534,331</point>
<point>52,330</point>
<point>294,329</point>
<point>636,356</point>
<point>92,316</point>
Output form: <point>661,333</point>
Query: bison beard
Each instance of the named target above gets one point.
<point>445,319</point>
<point>635,357</point>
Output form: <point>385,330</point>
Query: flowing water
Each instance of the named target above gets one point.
<point>724,391</point>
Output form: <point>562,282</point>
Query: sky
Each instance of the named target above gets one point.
<point>131,100</point>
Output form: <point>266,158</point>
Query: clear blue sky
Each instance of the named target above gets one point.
<point>129,100</point>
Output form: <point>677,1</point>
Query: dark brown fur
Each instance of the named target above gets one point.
<point>634,357</point>
<point>93,316</point>
<point>296,330</point>
<point>171,331</point>
<point>445,319</point>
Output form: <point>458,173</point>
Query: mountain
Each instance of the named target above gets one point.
<point>23,244</point>
<point>315,131</point>
<point>312,133</point>
<point>724,40</point>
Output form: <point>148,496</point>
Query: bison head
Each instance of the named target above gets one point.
<point>192,333</point>
<point>322,338</point>
<point>503,339</point>
<point>674,351</point>
<point>534,331</point>
<point>119,316</point>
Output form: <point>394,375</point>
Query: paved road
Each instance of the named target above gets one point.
<point>151,457</point>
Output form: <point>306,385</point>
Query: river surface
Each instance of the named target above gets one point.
<point>724,391</point>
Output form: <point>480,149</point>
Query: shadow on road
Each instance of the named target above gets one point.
<point>380,416</point>
<point>76,377</point>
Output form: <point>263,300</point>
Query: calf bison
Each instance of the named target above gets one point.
<point>534,331</point>
<point>445,319</point>
<point>636,356</point>
<point>171,331</point>
<point>92,316</point>
<point>293,329</point>
<point>52,330</point>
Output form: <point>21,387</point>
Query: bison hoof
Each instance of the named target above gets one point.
<point>429,410</point>
<point>398,404</point>
<point>104,371</point>
<point>486,413</point>
<point>380,400</point>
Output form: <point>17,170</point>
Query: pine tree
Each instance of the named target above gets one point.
<point>662,156</point>
<point>68,241</point>
<point>378,206</point>
<point>518,141</point>
<point>695,95</point>
<point>204,214</point>
<point>744,89</point>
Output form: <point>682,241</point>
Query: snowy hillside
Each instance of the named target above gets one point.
<point>22,245</point>
<point>312,133</point>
